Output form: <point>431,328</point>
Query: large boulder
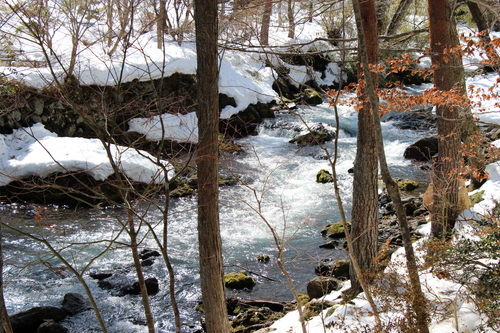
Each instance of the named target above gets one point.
<point>422,150</point>
<point>322,285</point>
<point>29,321</point>
<point>74,303</point>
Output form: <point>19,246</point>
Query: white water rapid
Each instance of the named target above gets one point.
<point>281,181</point>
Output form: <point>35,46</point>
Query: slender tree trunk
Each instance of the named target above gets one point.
<point>266,21</point>
<point>400,13</point>
<point>418,303</point>
<point>365,195</point>
<point>161,24</point>
<point>447,77</point>
<point>211,270</point>
<point>291,19</point>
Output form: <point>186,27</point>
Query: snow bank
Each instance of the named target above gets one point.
<point>37,151</point>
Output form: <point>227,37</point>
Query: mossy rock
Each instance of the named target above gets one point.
<point>477,197</point>
<point>239,280</point>
<point>407,185</point>
<point>304,299</point>
<point>335,230</point>
<point>182,190</point>
<point>263,258</point>
<point>312,97</point>
<point>315,308</point>
<point>324,176</point>
<point>312,138</point>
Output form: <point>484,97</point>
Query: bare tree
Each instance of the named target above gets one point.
<point>365,194</point>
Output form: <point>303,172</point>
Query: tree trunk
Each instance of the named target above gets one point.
<point>400,13</point>
<point>418,303</point>
<point>211,270</point>
<point>291,20</point>
<point>448,73</point>
<point>382,7</point>
<point>365,195</point>
<point>266,21</point>
<point>161,24</point>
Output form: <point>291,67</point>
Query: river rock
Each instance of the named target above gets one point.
<point>254,319</point>
<point>322,285</point>
<point>324,176</point>
<point>151,287</point>
<point>312,97</point>
<point>335,230</point>
<point>74,303</point>
<point>318,134</point>
<point>239,280</point>
<point>422,150</point>
<point>421,119</point>
<point>29,321</point>
<point>338,269</point>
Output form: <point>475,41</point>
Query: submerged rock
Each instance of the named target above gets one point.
<point>29,321</point>
<point>151,287</point>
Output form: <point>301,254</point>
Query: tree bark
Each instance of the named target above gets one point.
<point>210,244</point>
<point>448,74</point>
<point>397,19</point>
<point>418,303</point>
<point>266,21</point>
<point>291,19</point>
<point>365,195</point>
<point>161,24</point>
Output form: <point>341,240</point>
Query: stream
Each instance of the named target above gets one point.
<point>278,180</point>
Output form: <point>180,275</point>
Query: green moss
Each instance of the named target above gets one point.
<point>477,197</point>
<point>314,308</point>
<point>407,185</point>
<point>238,280</point>
<point>335,230</point>
<point>324,176</point>
<point>312,97</point>
<point>312,138</point>
<point>303,298</point>
<point>263,258</point>
<point>181,191</point>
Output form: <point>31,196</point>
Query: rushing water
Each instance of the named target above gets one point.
<point>278,182</point>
